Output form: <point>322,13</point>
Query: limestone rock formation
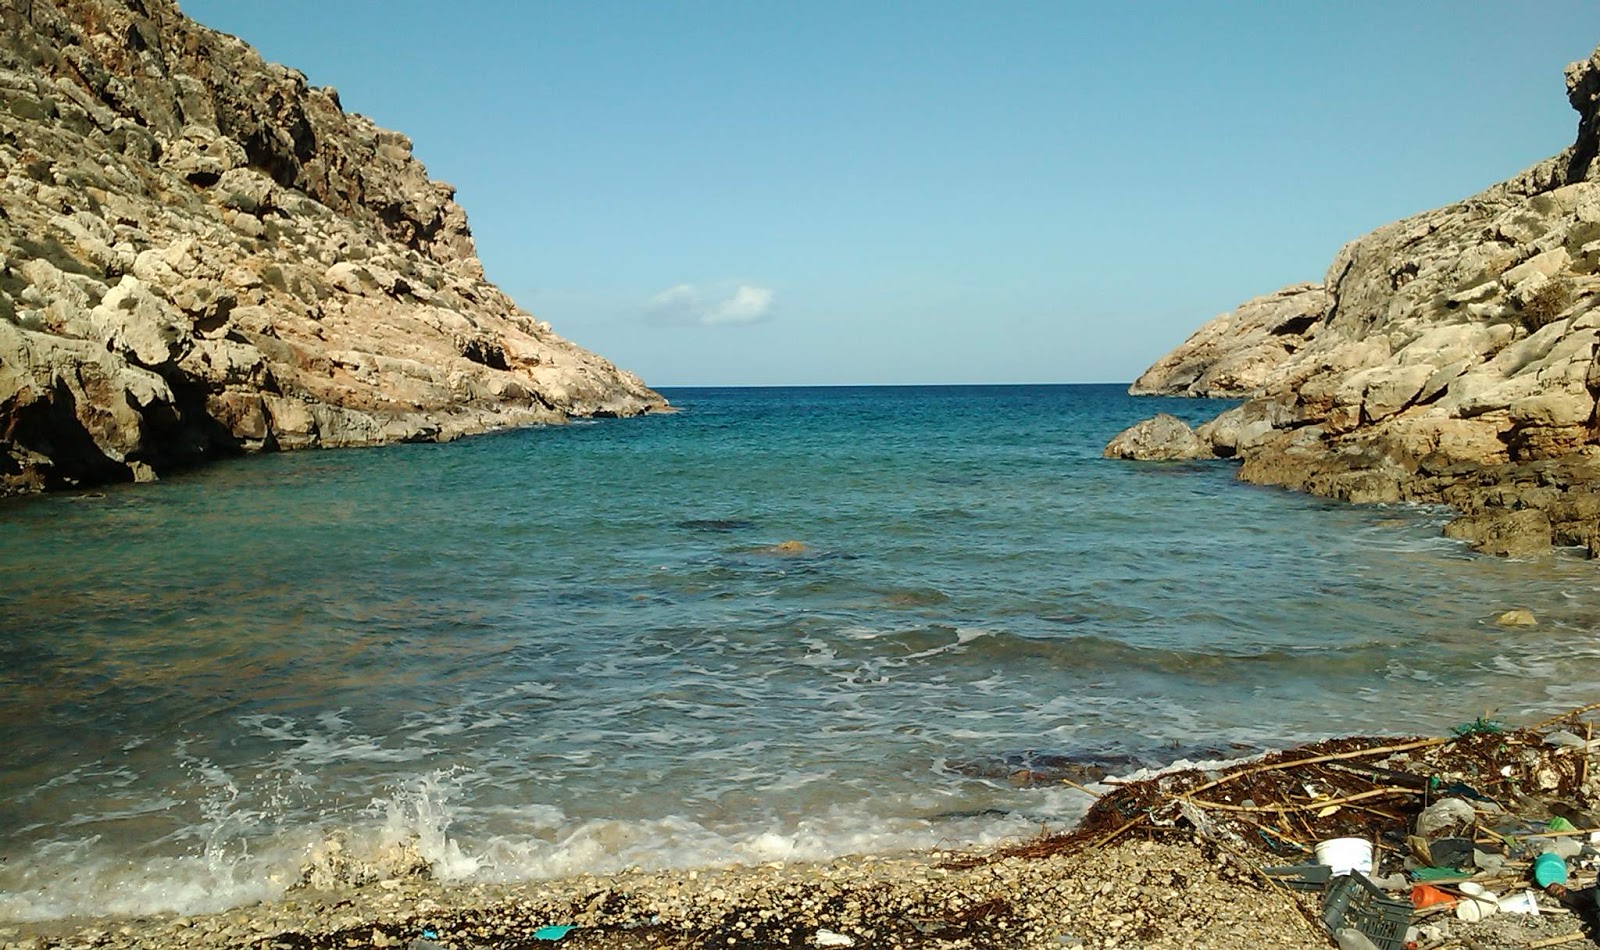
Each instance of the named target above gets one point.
<point>1164,438</point>
<point>1236,353</point>
<point>202,254</point>
<point>1450,356</point>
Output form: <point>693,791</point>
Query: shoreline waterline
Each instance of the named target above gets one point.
<point>779,625</point>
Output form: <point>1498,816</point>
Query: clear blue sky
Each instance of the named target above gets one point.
<point>933,192</point>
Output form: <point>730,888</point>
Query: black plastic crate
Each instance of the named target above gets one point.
<point>1354,901</point>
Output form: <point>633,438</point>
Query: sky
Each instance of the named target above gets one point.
<point>821,192</point>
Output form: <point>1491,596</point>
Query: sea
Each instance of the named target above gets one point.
<point>779,624</point>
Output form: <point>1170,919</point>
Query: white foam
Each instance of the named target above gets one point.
<point>423,815</point>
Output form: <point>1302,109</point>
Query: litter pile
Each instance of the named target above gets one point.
<point>1441,832</point>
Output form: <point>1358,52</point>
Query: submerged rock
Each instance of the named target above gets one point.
<point>202,254</point>
<point>1517,617</point>
<point>1449,357</point>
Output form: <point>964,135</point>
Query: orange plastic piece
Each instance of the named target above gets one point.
<point>1426,895</point>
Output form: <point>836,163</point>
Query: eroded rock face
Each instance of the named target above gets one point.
<point>1449,357</point>
<point>201,254</point>
<point>1164,438</point>
<point>1237,353</point>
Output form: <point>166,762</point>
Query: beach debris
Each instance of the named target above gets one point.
<point>1345,855</point>
<point>1517,617</point>
<point>553,932</point>
<point>1446,814</point>
<point>1426,895</point>
<point>1456,814</point>
<point>832,938</point>
<point>1358,913</point>
<point>1478,726</point>
<point>1349,938</point>
<point>1549,868</point>
<point>1557,941</point>
<point>1476,902</point>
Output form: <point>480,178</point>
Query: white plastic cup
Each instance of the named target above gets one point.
<point>1476,903</point>
<point>1343,855</point>
<point>1523,903</point>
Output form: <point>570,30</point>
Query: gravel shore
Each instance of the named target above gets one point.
<point>1134,894</point>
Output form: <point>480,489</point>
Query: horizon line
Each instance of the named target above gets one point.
<point>870,385</point>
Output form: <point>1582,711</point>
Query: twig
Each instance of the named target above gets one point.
<point>1319,803</point>
<point>1278,766</point>
<point>1379,812</point>
<point>1558,834</point>
<point>1306,825</point>
<point>1113,835</point>
<point>1566,715</point>
<point>1068,781</point>
<point>1583,763</point>
<point>1310,918</point>
<point>1565,938</point>
<point>1275,832</point>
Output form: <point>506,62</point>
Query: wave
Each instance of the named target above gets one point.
<point>247,858</point>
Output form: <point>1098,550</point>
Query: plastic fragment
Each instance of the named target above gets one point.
<point>1349,938</point>
<point>553,932</point>
<point>1426,895</point>
<point>1442,814</point>
<point>830,938</point>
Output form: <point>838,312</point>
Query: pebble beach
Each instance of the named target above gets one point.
<point>1134,894</point>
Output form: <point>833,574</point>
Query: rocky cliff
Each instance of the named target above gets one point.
<point>1447,357</point>
<point>201,254</point>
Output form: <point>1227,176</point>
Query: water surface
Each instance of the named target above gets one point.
<point>780,624</point>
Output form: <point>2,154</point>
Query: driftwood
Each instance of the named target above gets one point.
<point>1279,806</point>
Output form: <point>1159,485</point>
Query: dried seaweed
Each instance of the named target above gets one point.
<point>1275,808</point>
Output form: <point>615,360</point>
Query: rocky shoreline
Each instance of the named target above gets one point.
<point>202,254</point>
<point>1182,858</point>
<point>1452,357</point>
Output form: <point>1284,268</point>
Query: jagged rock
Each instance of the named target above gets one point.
<point>1164,438</point>
<point>1443,358</point>
<point>1236,353</point>
<point>200,254</point>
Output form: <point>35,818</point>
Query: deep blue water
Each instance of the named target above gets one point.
<point>781,623</point>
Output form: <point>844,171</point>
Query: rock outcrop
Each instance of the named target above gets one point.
<point>1447,357</point>
<point>1237,353</point>
<point>1164,438</point>
<point>202,254</point>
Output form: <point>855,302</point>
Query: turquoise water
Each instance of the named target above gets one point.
<point>779,624</point>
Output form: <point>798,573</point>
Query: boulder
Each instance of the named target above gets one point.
<point>1523,533</point>
<point>1163,438</point>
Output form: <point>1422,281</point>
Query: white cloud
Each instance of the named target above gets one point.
<point>718,305</point>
